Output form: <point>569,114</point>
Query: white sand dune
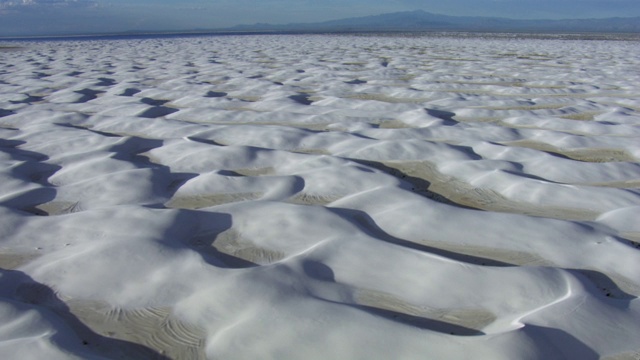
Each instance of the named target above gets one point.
<point>320,197</point>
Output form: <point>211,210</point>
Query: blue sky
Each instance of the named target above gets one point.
<point>43,17</point>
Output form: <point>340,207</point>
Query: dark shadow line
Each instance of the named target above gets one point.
<point>32,169</point>
<point>302,99</point>
<point>153,102</point>
<point>533,177</point>
<point>418,185</point>
<point>41,297</point>
<point>157,111</point>
<point>11,147</point>
<point>421,322</point>
<point>215,94</point>
<point>165,182</point>
<point>321,272</point>
<point>102,81</point>
<point>29,100</point>
<point>203,242</point>
<point>367,225</point>
<point>103,133</point>
<point>4,112</point>
<point>35,171</point>
<point>130,91</point>
<point>548,152</point>
<point>604,284</point>
<point>204,141</point>
<point>552,343</point>
<point>446,116</point>
<point>28,201</point>
<point>87,95</point>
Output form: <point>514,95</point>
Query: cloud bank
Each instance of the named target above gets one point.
<point>37,4</point>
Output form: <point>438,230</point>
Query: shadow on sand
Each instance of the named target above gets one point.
<point>72,335</point>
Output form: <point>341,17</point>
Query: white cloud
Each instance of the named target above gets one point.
<point>27,4</point>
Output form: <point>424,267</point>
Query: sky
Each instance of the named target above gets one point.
<point>53,17</point>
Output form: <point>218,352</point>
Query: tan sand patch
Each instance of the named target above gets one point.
<point>230,242</point>
<point>519,258</point>
<point>248,98</point>
<point>614,286</point>
<point>524,107</point>
<point>482,83</point>
<point>207,200</point>
<point>448,189</point>
<point>10,261</point>
<point>632,236</point>
<point>438,58</point>
<point>393,124</point>
<point>585,155</point>
<point>255,171</point>
<point>386,98</point>
<point>407,77</point>
<point>313,199</point>
<point>237,107</point>
<point>627,184</point>
<point>154,327</point>
<point>585,116</point>
<point>311,151</point>
<point>475,319</point>
<point>631,355</point>
<point>309,126</point>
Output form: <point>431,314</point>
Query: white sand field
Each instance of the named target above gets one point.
<point>320,197</point>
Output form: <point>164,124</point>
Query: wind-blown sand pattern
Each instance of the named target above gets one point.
<point>320,197</point>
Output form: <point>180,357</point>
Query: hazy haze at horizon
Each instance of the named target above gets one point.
<point>46,17</point>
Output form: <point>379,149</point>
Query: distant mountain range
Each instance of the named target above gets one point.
<point>420,20</point>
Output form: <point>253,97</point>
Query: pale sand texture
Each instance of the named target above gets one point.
<point>321,197</point>
<point>156,328</point>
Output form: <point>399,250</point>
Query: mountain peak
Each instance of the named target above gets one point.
<point>421,20</point>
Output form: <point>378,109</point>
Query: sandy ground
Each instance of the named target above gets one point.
<point>286,197</point>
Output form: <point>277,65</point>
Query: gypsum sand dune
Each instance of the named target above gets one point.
<point>285,281</point>
<point>426,179</point>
